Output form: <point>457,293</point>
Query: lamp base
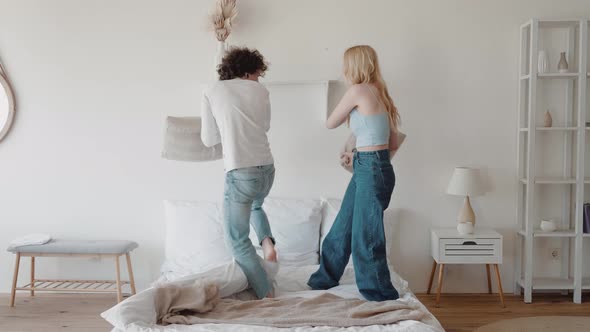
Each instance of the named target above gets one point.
<point>465,228</point>
<point>466,214</point>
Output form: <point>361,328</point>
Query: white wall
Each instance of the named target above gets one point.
<point>95,80</point>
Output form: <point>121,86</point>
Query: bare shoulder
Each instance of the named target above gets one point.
<point>362,92</point>
<point>357,90</point>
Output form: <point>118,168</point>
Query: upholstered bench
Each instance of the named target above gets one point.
<point>75,248</point>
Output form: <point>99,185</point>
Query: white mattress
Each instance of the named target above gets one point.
<point>291,282</point>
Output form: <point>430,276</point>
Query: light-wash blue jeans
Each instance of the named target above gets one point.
<point>245,191</point>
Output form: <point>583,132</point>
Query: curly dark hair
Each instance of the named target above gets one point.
<point>239,61</point>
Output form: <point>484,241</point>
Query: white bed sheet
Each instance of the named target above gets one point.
<point>292,282</point>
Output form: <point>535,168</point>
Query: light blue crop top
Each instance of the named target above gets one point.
<point>370,130</point>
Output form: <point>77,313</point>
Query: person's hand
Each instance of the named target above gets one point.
<point>346,159</point>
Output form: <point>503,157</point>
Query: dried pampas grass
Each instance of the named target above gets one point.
<point>224,13</point>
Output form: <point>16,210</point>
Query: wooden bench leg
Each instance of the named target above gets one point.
<point>119,294</point>
<point>489,280</point>
<point>130,271</point>
<point>32,275</point>
<point>431,277</point>
<point>14,279</point>
<point>440,283</point>
<point>499,285</point>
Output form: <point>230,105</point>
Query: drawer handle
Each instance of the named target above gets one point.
<point>469,243</point>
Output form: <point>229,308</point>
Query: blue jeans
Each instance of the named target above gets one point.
<point>245,191</point>
<point>358,229</point>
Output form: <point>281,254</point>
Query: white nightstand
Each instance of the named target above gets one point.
<point>484,246</point>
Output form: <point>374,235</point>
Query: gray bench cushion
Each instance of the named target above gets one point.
<point>58,246</point>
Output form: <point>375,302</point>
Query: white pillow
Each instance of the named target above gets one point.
<point>182,141</point>
<point>295,224</point>
<point>194,238</point>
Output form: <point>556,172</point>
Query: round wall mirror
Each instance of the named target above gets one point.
<point>6,106</point>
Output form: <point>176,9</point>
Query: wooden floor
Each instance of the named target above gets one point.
<point>466,312</point>
<point>55,312</point>
<point>457,312</point>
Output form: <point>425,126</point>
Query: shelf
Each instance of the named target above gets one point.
<point>558,233</point>
<point>553,75</point>
<point>557,128</point>
<point>554,180</point>
<point>569,183</point>
<point>558,75</point>
<point>550,283</point>
<point>558,23</point>
<point>561,233</point>
<point>555,283</point>
<point>572,76</point>
<point>551,180</point>
<point>553,129</point>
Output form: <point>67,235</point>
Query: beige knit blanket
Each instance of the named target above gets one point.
<point>199,303</point>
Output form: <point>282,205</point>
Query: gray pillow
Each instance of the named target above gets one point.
<point>182,141</point>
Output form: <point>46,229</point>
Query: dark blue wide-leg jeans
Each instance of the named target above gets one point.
<point>358,230</point>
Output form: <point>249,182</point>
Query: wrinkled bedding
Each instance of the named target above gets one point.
<point>290,282</point>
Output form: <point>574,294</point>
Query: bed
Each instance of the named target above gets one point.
<point>194,250</point>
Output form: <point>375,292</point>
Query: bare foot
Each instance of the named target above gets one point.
<point>268,248</point>
<point>269,295</point>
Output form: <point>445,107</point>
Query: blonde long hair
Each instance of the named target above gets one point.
<point>362,66</point>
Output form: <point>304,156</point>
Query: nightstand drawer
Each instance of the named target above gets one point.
<point>470,250</point>
<point>482,247</point>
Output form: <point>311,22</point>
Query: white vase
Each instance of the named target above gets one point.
<point>465,228</point>
<point>221,48</point>
<point>543,63</point>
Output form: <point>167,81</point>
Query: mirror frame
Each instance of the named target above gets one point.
<point>11,103</point>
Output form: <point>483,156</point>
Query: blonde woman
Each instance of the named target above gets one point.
<point>358,228</point>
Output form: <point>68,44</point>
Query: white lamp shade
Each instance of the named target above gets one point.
<point>466,182</point>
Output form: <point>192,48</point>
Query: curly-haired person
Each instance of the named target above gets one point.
<point>235,112</point>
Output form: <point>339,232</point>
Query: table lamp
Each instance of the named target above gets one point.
<point>466,182</point>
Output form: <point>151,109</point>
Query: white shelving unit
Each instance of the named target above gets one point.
<point>572,131</point>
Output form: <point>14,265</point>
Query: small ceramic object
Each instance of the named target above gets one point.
<point>465,228</point>
<point>548,225</point>
<point>543,63</point>
<point>548,121</point>
<point>562,66</point>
